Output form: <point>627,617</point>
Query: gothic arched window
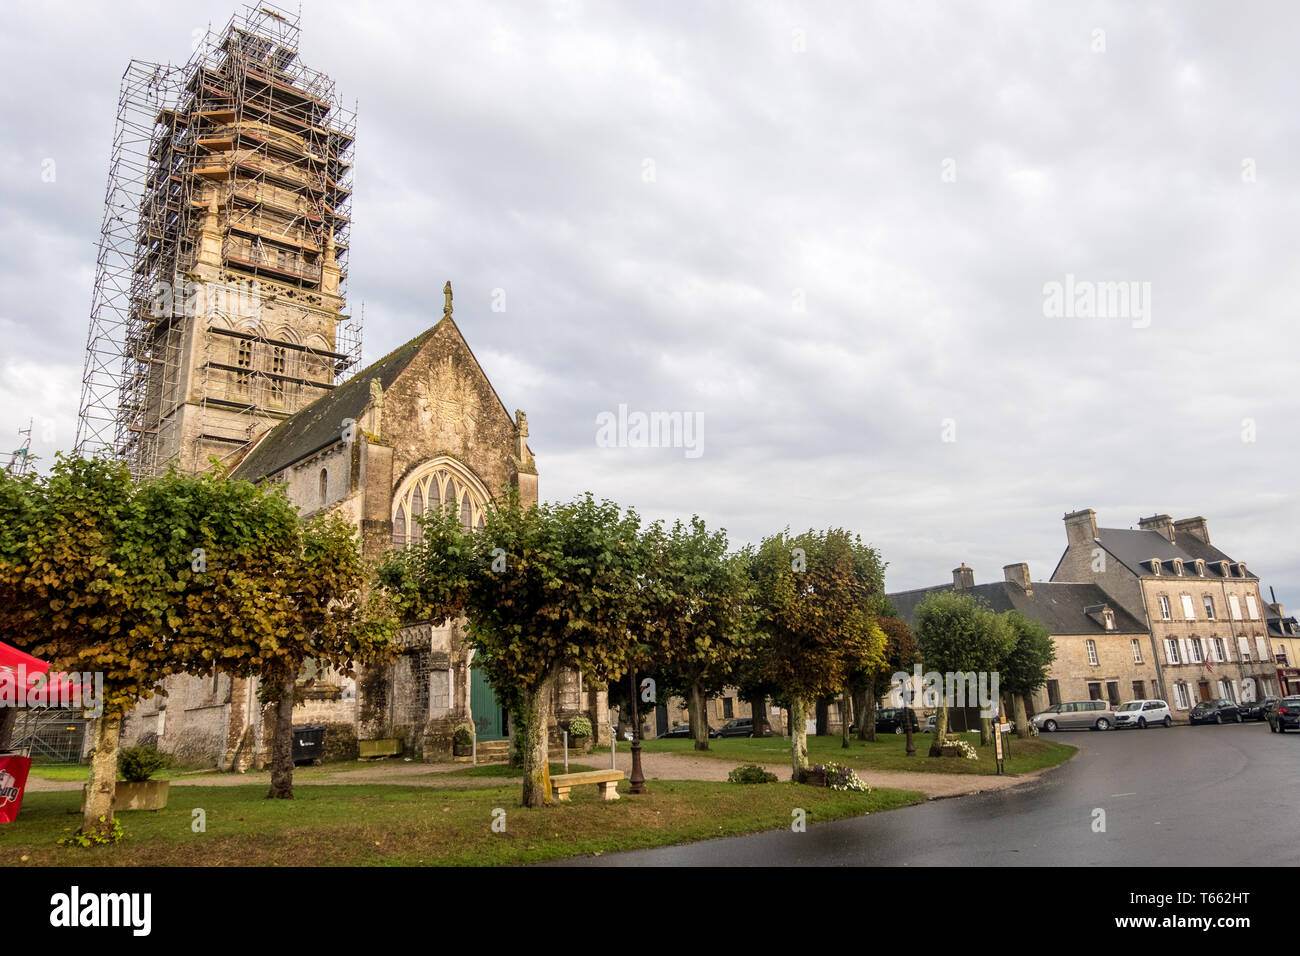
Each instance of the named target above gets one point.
<point>442,482</point>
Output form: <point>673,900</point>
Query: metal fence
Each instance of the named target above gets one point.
<point>54,735</point>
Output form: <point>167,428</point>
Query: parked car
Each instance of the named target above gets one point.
<point>1214,712</point>
<point>889,720</point>
<point>930,722</point>
<point>1142,714</point>
<point>1284,715</point>
<point>684,730</point>
<point>1256,709</point>
<point>744,727</point>
<point>1076,715</point>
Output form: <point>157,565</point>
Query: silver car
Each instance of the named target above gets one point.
<point>1076,715</point>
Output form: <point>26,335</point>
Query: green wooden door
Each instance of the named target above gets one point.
<point>489,717</point>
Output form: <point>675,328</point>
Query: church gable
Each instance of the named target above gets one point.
<point>442,404</point>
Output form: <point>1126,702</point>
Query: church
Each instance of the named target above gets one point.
<point>421,428</point>
<point>245,208</point>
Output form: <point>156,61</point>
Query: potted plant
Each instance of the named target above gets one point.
<point>462,740</point>
<point>580,733</point>
<point>135,765</point>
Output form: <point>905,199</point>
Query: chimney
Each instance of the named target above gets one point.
<point>963,577</point>
<point>1196,527</point>
<point>1018,574</point>
<point>1161,523</point>
<point>1081,527</point>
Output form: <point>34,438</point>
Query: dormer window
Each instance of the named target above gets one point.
<point>1200,567</point>
<point>1156,567</point>
<point>1241,570</point>
<point>1108,616</point>
<point>1224,570</point>
<point>1178,566</point>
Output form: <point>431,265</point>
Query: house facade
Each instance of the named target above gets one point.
<point>1204,609</point>
<point>1103,652</point>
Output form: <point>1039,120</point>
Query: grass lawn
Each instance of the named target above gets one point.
<point>394,825</point>
<point>887,753</point>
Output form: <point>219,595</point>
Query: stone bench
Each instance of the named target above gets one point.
<point>607,780</point>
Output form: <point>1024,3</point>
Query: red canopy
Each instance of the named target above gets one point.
<point>12,658</point>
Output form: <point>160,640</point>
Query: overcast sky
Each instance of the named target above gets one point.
<point>824,229</point>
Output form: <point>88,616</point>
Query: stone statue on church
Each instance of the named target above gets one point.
<point>446,290</point>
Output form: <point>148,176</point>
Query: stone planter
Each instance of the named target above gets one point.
<point>950,751</point>
<point>814,778</point>
<point>462,750</point>
<point>139,795</point>
<point>579,744</point>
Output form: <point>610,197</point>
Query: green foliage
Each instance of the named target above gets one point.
<point>580,726</point>
<point>111,834</point>
<point>138,764</point>
<point>958,633</point>
<point>1025,667</point>
<point>463,735</point>
<point>816,624</point>
<point>750,773</point>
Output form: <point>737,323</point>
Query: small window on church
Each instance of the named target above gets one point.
<point>277,373</point>
<point>466,519</point>
<point>324,486</point>
<point>244,360</point>
<point>417,503</point>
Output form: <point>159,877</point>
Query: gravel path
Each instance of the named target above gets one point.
<point>655,766</point>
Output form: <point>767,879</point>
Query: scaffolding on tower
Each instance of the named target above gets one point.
<point>217,308</point>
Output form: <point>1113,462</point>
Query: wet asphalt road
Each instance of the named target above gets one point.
<point>1184,796</point>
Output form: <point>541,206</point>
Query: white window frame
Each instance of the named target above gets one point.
<point>1234,607</point>
<point>1189,608</point>
<point>1171,651</point>
<point>1207,602</point>
<point>1194,650</point>
<point>1262,647</point>
<point>1137,651</point>
<point>1091,645</point>
<point>1243,647</point>
<point>1216,650</point>
<point>1180,696</point>
<point>1166,609</point>
<point>1252,607</point>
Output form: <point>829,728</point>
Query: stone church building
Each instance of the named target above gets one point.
<point>421,428</point>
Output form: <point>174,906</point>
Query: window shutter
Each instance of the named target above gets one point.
<point>1261,647</point>
<point>1186,649</point>
<point>1243,648</point>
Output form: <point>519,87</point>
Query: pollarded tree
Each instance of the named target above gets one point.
<point>958,634</point>
<point>696,624</point>
<point>900,653</point>
<point>543,588</point>
<point>1025,668</point>
<point>814,618</point>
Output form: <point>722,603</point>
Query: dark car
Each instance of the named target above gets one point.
<point>1284,715</point>
<point>1214,712</point>
<point>889,720</point>
<point>1256,709</point>
<point>744,727</point>
<point>684,730</point>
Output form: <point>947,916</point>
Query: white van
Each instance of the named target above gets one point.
<point>1076,715</point>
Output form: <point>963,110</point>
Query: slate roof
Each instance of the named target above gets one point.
<point>1058,606</point>
<point>320,424</point>
<point>1134,549</point>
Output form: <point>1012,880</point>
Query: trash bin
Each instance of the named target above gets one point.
<point>308,743</point>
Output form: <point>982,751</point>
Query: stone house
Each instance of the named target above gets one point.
<point>1103,652</point>
<point>1284,637</point>
<point>418,429</point>
<point>1204,609</point>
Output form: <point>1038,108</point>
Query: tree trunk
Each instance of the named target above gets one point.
<point>8,720</point>
<point>97,805</point>
<point>282,745</point>
<point>823,713</point>
<point>870,718</point>
<point>940,730</point>
<point>798,736</point>
<point>758,710</point>
<point>1022,716</point>
<point>986,731</point>
<point>698,716</point>
<point>846,712</point>
<point>537,765</point>
<point>907,725</point>
<point>861,709</point>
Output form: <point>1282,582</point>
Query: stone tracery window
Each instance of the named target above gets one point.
<point>438,483</point>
